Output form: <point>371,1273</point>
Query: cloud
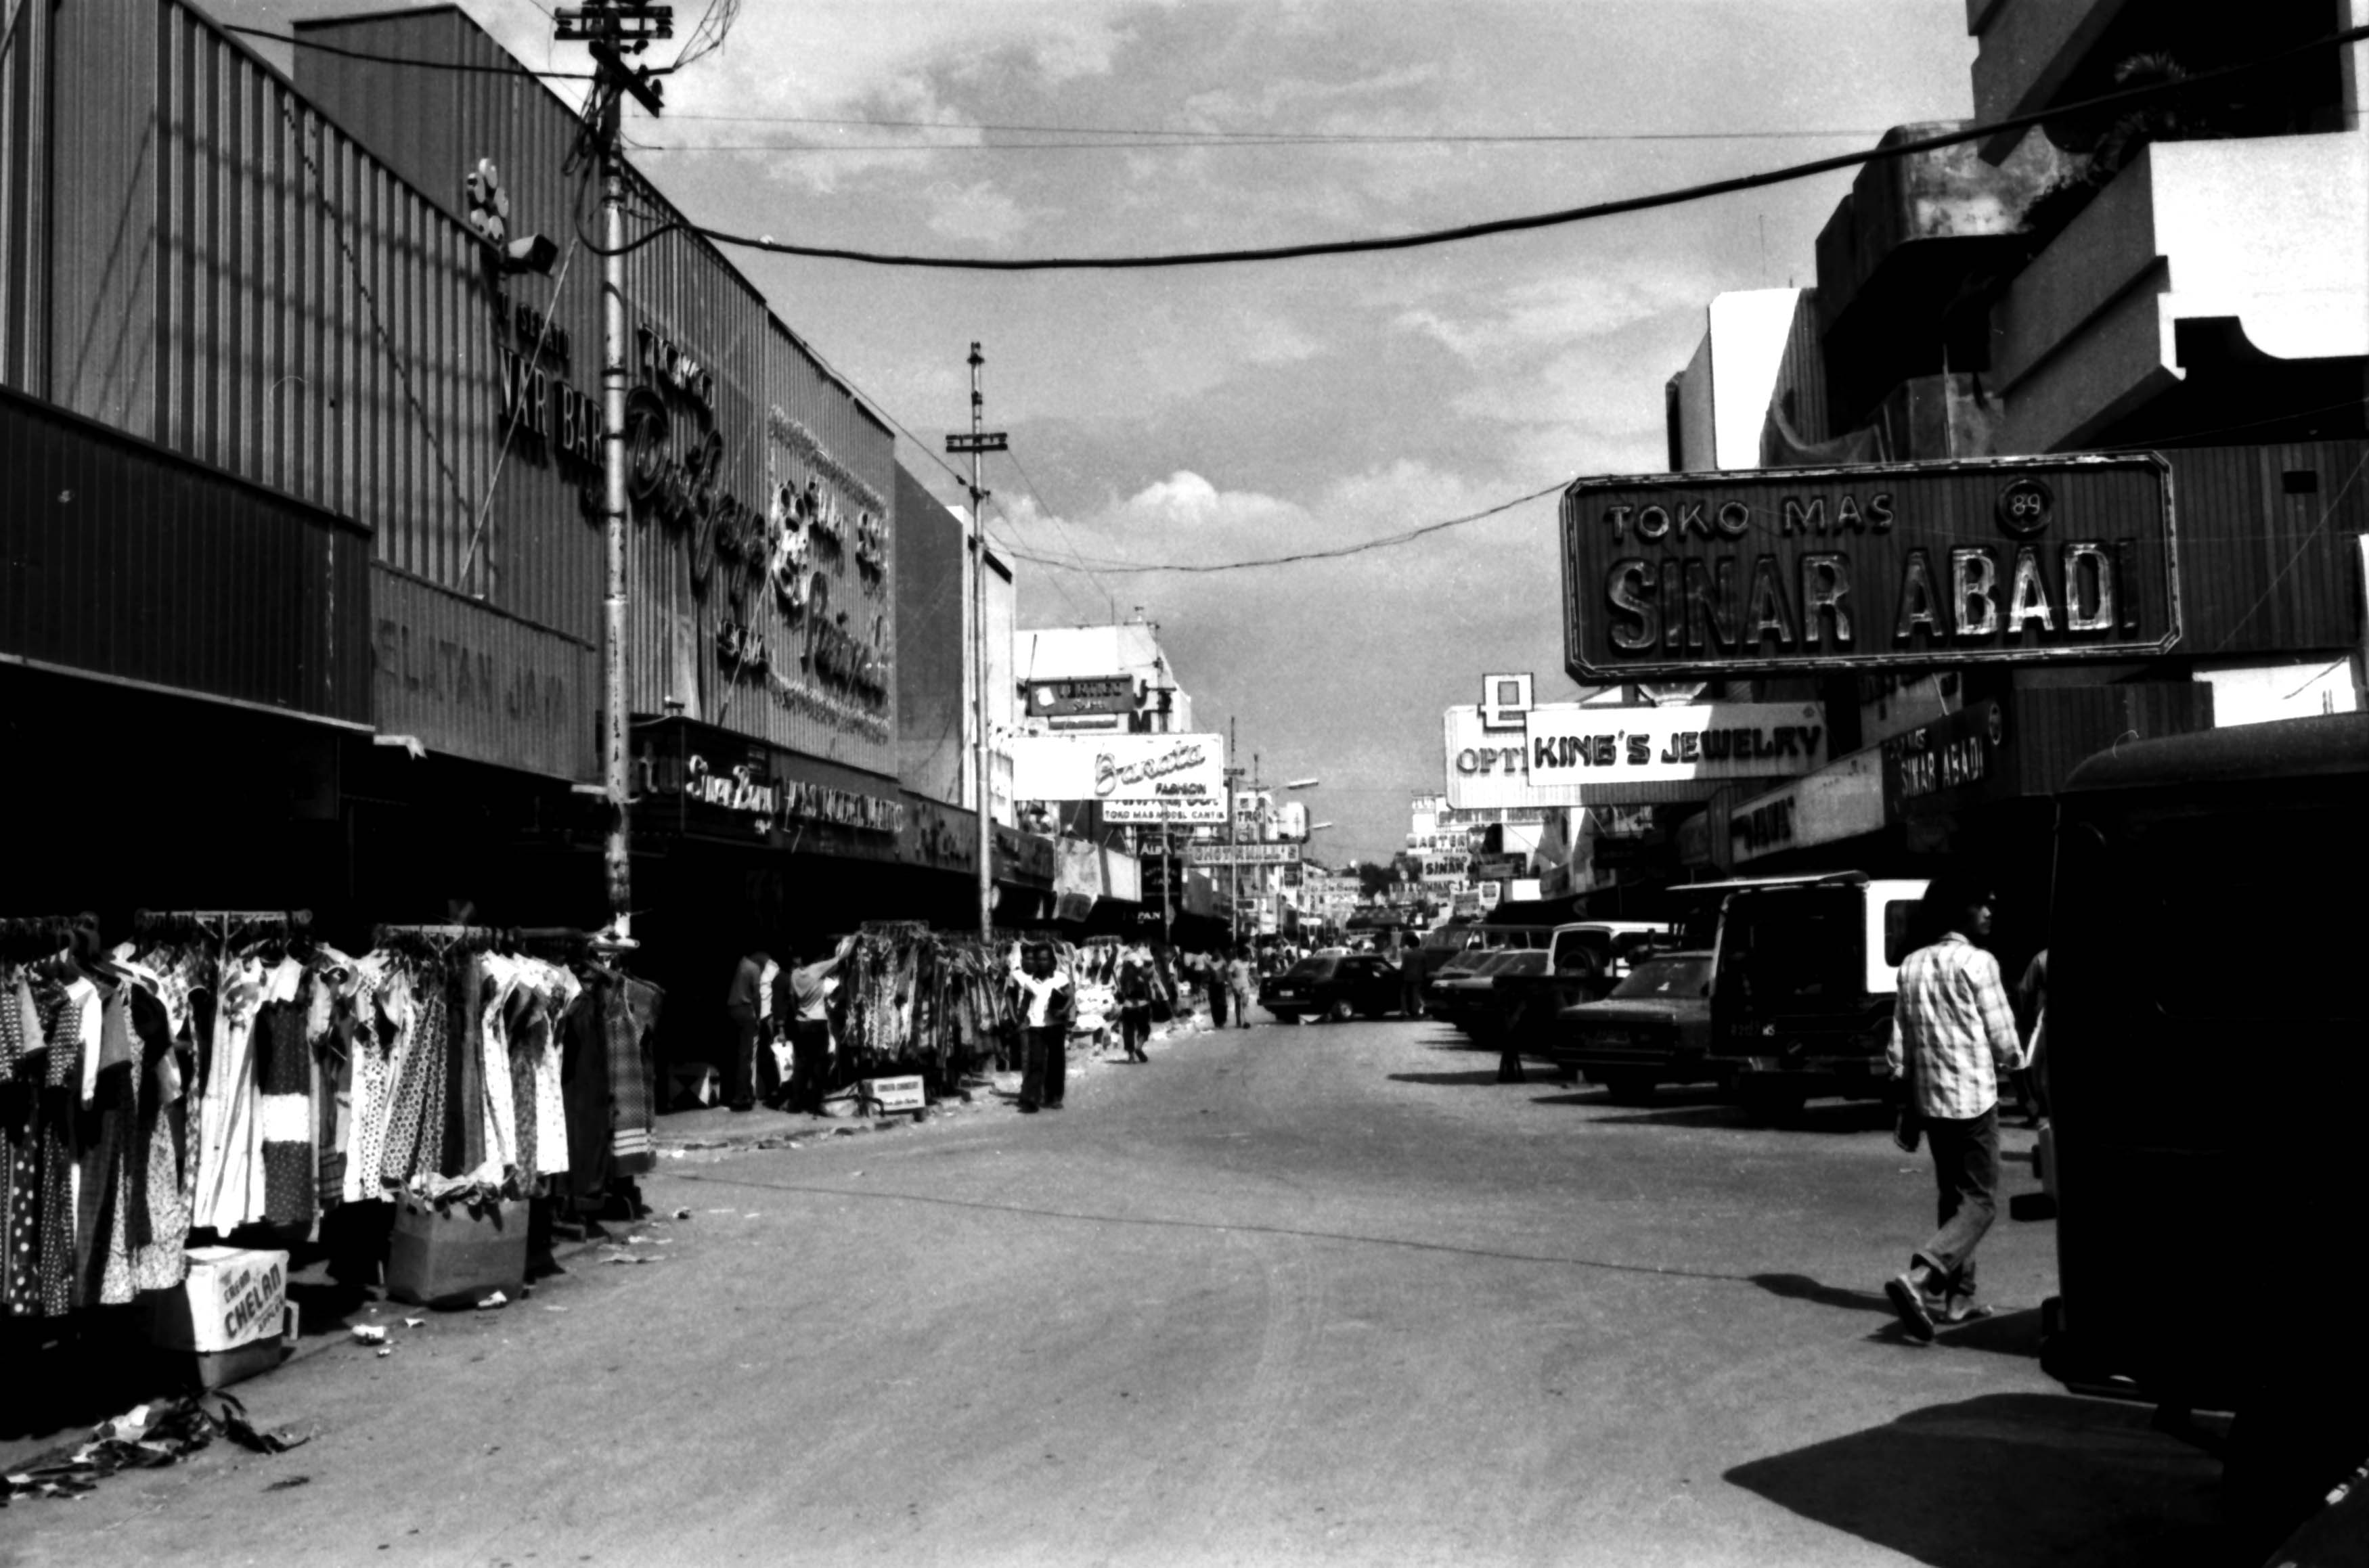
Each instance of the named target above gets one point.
<point>1544,312</point>
<point>977,212</point>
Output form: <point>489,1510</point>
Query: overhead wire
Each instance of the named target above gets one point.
<point>462,67</point>
<point>1045,507</point>
<point>1908,148</point>
<point>1350,138</point>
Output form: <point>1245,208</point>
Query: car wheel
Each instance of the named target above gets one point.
<point>1340,1011</point>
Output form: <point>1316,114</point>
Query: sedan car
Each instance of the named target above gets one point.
<point>1464,992</point>
<point>1354,985</point>
<point>1653,1028</point>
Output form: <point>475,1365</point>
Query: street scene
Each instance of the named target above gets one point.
<point>1104,781</point>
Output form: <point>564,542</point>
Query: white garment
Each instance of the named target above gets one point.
<point>229,1190</point>
<point>1041,989</point>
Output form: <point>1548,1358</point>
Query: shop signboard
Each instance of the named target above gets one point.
<point>1103,702</point>
<point>709,782</point>
<point>936,835</point>
<point>1136,778</point>
<point>1838,802</point>
<point>1682,576</point>
<point>1602,754</point>
<point>1958,760</point>
<point>1244,854</point>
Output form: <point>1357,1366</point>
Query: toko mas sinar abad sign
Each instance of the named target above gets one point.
<point>2008,559</point>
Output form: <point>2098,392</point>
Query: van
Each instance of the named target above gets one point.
<point>1804,974</point>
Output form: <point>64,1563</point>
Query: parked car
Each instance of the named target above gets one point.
<point>1353,985</point>
<point>1804,984</point>
<point>1488,942</point>
<point>1581,962</point>
<point>1464,992</point>
<point>1653,1028</point>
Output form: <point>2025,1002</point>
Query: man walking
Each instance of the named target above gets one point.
<point>1240,976</point>
<point>1046,1000</point>
<point>1952,1034</point>
<point>1134,988</point>
<point>802,1003</point>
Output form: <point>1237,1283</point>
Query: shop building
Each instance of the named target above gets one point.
<point>310,488</point>
<point>2194,284</point>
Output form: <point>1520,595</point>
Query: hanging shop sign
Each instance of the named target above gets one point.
<point>1022,859</point>
<point>1958,760</point>
<point>713,784</point>
<point>1138,778</point>
<point>942,837</point>
<point>1604,754</point>
<point>1096,696</point>
<point>1568,742</point>
<point>1838,802</point>
<point>1244,854</point>
<point>2005,559</point>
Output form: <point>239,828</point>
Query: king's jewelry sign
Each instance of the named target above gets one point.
<point>2005,560</point>
<point>1136,778</point>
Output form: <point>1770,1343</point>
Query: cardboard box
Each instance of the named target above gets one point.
<point>210,1369</point>
<point>455,1256</point>
<point>894,1096</point>
<point>233,1296</point>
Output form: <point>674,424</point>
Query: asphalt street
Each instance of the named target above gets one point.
<point>1284,1295</point>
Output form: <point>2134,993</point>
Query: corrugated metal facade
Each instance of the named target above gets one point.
<point>24,196</point>
<point>126,561</point>
<point>492,686</point>
<point>930,647</point>
<point>2268,562</point>
<point>777,417</point>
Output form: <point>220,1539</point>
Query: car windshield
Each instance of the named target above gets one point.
<point>1314,969</point>
<point>1529,961</point>
<point>1800,949</point>
<point>1667,978</point>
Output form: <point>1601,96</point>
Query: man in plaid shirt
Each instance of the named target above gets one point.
<point>1952,1035</point>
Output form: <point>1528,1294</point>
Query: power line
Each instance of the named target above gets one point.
<point>1227,141</point>
<point>1353,138</point>
<point>2123,98</point>
<point>467,68</point>
<point>1046,509</point>
<point>1385,541</point>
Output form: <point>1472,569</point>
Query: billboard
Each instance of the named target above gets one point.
<point>1136,778</point>
<point>1242,855</point>
<point>1678,575</point>
<point>1094,702</point>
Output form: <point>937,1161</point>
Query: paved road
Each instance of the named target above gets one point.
<point>1284,1295</point>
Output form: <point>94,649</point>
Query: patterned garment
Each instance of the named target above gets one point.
<point>12,1026</point>
<point>1951,1026</point>
<point>415,1129</point>
<point>283,1074</point>
<point>627,1016</point>
<point>103,1222</point>
<point>382,1005</point>
<point>160,1232</point>
<point>20,1200</point>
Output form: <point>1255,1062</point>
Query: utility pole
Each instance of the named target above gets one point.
<point>1233,844</point>
<point>980,440</point>
<point>613,30</point>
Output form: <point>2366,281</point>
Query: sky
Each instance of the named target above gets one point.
<point>1220,413</point>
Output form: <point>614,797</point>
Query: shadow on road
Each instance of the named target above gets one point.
<point>1478,1075</point>
<point>1840,1115</point>
<point>2007,1479</point>
<point>1801,1288</point>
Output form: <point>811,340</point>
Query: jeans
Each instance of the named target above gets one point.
<point>1046,1067</point>
<point>1135,1027</point>
<point>1965,1174</point>
<point>809,1065</point>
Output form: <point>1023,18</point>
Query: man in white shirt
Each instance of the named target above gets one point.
<point>802,1003</point>
<point>1952,1035</point>
<point>1045,1000</point>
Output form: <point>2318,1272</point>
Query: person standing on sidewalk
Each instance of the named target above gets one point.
<point>1212,971</point>
<point>802,1003</point>
<point>745,1005</point>
<point>1952,1034</point>
<point>1241,974</point>
<point>1046,1000</point>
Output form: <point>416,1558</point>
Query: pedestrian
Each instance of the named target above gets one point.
<point>802,1003</point>
<point>1134,988</point>
<point>2031,1016</point>
<point>1953,1032</point>
<point>747,1004</point>
<point>1045,1000</point>
<point>1213,986</point>
<point>1410,965</point>
<point>1241,974</point>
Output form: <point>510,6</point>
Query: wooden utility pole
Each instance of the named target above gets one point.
<point>613,30</point>
<point>980,440</point>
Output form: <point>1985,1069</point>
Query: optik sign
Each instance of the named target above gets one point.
<point>2004,560</point>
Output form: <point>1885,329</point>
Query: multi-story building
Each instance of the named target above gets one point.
<point>2188,275</point>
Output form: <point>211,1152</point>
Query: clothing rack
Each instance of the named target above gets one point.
<point>221,926</point>
<point>439,940</point>
<point>43,935</point>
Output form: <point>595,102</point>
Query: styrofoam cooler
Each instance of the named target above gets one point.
<point>229,1319</point>
<point>455,1256</point>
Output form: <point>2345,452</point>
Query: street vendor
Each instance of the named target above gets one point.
<point>1045,999</point>
<point>802,999</point>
